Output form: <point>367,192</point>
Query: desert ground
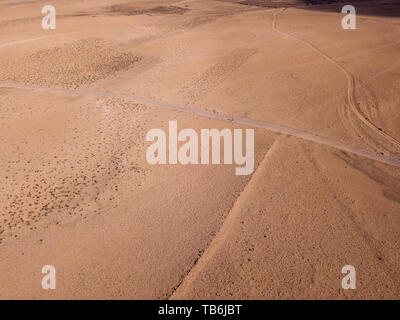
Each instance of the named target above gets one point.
<point>76,190</point>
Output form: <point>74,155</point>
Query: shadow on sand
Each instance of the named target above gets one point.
<point>384,8</point>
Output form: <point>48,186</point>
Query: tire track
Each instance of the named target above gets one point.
<point>231,118</point>
<point>13,43</point>
<point>351,82</point>
<point>220,235</point>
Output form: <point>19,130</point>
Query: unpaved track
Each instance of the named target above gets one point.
<point>350,82</point>
<point>14,43</point>
<point>254,123</point>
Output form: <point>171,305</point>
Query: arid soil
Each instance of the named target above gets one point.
<point>77,192</point>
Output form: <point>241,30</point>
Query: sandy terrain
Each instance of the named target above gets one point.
<point>77,192</point>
